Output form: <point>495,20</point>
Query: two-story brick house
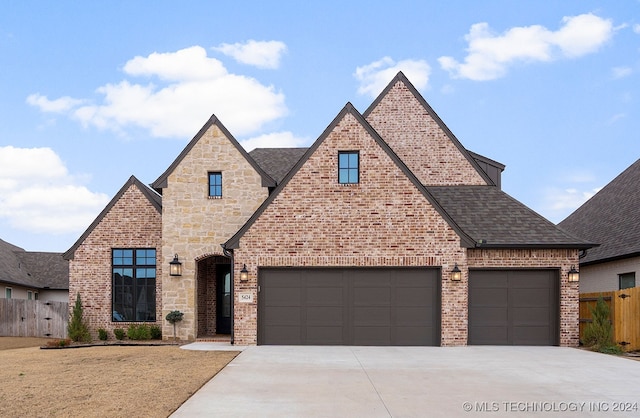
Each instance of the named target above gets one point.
<point>386,231</point>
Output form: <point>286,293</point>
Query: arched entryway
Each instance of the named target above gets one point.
<point>214,296</point>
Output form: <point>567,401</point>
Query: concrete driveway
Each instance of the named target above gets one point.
<point>285,381</point>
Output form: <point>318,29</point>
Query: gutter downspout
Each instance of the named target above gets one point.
<point>229,253</point>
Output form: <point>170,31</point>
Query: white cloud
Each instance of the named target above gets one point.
<point>61,105</point>
<point>636,28</point>
<point>193,86</point>
<point>560,203</point>
<point>615,118</point>
<point>274,140</point>
<point>262,54</point>
<point>374,77</point>
<point>621,72</point>
<point>490,55</point>
<point>37,194</point>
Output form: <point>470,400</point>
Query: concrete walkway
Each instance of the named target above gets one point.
<point>285,381</point>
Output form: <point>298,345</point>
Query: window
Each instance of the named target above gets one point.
<point>29,295</point>
<point>7,292</point>
<point>348,167</point>
<point>215,185</point>
<point>627,280</point>
<point>35,296</point>
<point>134,284</point>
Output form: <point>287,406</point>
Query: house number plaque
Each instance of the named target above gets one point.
<point>245,297</point>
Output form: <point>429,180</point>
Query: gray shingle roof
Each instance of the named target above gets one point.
<point>277,162</point>
<point>33,269</point>
<point>487,213</point>
<point>610,218</point>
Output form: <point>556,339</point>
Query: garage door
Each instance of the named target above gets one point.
<point>514,307</point>
<point>354,306</point>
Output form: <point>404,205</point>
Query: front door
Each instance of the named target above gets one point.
<point>223,299</point>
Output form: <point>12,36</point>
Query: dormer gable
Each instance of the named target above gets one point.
<point>212,123</point>
<point>405,120</point>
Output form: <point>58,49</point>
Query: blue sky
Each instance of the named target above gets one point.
<point>93,92</point>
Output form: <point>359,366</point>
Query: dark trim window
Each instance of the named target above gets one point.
<point>7,292</point>
<point>215,184</point>
<point>348,167</point>
<point>134,284</point>
<point>627,280</point>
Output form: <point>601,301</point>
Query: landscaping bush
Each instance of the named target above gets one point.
<point>119,333</point>
<point>78,330</point>
<point>156,332</point>
<point>59,343</point>
<point>598,334</point>
<point>103,334</point>
<point>174,317</point>
<point>139,332</point>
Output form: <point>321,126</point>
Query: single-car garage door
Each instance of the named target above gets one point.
<point>349,306</point>
<point>514,307</point>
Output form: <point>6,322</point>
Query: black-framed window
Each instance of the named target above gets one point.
<point>134,284</point>
<point>348,167</point>
<point>627,280</point>
<point>215,184</point>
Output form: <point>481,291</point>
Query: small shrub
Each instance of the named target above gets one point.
<point>103,334</point>
<point>598,334</point>
<point>139,332</point>
<point>174,317</point>
<point>119,333</point>
<point>156,332</point>
<point>78,330</point>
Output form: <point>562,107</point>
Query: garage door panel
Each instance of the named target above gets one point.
<point>286,335</point>
<point>534,297</point>
<point>514,307</point>
<point>354,306</point>
<point>324,296</point>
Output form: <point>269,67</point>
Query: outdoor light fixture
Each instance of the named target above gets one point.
<point>244,274</point>
<point>574,275</point>
<point>456,274</point>
<point>175,267</point>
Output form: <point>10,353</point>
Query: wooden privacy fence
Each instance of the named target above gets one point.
<point>624,306</point>
<point>33,318</point>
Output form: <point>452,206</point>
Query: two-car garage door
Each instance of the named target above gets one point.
<point>349,306</point>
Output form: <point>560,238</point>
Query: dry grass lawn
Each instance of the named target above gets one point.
<point>110,381</point>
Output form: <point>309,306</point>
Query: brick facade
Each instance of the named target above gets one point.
<point>382,221</point>
<point>194,225</point>
<point>132,222</point>
<point>413,133</point>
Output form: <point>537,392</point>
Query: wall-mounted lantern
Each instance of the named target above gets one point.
<point>175,266</point>
<point>244,274</point>
<point>456,273</point>
<point>574,275</point>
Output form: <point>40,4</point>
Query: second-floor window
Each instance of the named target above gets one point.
<point>348,167</point>
<point>215,184</point>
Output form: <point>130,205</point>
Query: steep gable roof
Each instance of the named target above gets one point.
<point>154,198</point>
<point>496,220</point>
<point>611,218</point>
<point>401,78</point>
<point>277,162</point>
<point>234,241</point>
<point>161,182</point>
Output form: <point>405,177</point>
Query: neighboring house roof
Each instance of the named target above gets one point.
<point>38,270</point>
<point>234,241</point>
<point>154,198</point>
<point>610,218</point>
<point>277,162</point>
<point>161,182</point>
<point>494,219</point>
<point>400,77</point>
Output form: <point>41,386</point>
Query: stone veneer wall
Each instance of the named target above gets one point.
<point>133,222</point>
<point>539,258</point>
<point>382,221</point>
<point>194,226</point>
<point>414,135</point>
